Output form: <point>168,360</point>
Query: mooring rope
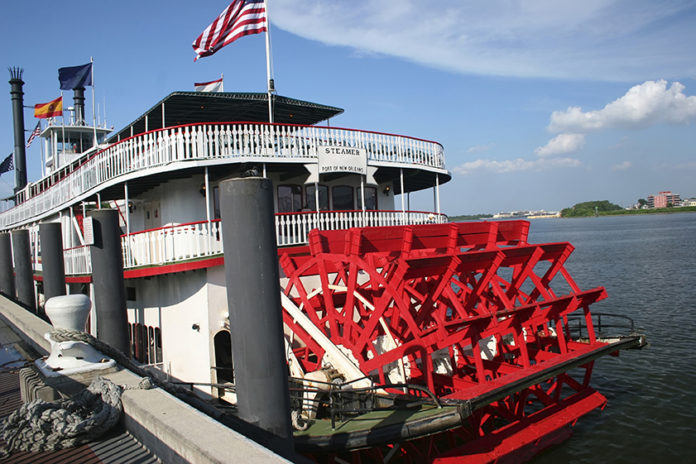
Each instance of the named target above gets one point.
<point>148,380</point>
<point>41,425</point>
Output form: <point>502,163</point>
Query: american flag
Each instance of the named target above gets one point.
<point>35,133</point>
<point>240,18</point>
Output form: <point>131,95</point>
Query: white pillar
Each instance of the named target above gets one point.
<point>207,207</point>
<point>401,179</point>
<point>93,312</point>
<point>43,159</point>
<point>362,192</point>
<point>125,194</point>
<point>437,193</point>
<point>316,197</point>
<point>69,242</point>
<point>84,215</point>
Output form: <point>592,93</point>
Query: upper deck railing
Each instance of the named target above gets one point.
<point>198,240</point>
<point>195,240</point>
<point>241,142</point>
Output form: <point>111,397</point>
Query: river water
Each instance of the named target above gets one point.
<point>648,265</point>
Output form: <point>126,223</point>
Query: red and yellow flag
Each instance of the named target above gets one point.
<point>49,110</point>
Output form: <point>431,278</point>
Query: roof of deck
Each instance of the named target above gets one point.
<point>193,107</point>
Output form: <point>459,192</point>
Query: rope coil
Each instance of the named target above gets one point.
<point>42,426</point>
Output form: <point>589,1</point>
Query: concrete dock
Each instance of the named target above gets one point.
<point>155,425</point>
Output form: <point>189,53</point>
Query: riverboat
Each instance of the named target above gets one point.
<point>407,336</point>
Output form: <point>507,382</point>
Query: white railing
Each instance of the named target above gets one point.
<point>218,141</point>
<point>171,244</point>
<point>77,260</point>
<point>177,243</point>
<point>292,228</point>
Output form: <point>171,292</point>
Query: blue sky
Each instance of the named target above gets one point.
<point>539,104</point>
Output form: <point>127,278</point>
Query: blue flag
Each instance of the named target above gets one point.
<point>7,164</point>
<point>74,77</point>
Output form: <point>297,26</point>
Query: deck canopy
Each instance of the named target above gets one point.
<point>192,107</point>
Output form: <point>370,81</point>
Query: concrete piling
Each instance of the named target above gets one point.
<point>24,274</point>
<point>52,260</point>
<point>7,283</point>
<point>253,296</point>
<point>108,281</point>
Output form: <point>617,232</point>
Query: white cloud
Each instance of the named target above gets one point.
<point>479,148</point>
<point>651,102</point>
<point>622,166</point>
<point>516,165</point>
<point>594,39</point>
<point>561,144</point>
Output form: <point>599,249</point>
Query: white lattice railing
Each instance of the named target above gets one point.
<point>171,244</point>
<point>77,260</point>
<point>196,240</point>
<point>292,228</point>
<point>242,142</point>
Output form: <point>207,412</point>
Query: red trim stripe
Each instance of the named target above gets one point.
<point>171,268</point>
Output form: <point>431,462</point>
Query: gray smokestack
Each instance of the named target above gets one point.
<point>20,156</point>
<point>79,99</point>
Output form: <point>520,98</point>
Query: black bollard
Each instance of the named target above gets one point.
<point>107,278</point>
<point>52,260</point>
<point>24,274</point>
<point>7,284</point>
<point>253,298</point>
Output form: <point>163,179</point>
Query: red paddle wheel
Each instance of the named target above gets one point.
<point>469,311</point>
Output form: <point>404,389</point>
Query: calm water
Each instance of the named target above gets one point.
<point>648,266</point>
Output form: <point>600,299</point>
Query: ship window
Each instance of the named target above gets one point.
<point>342,197</point>
<point>130,293</point>
<point>323,198</point>
<point>158,345</point>
<point>216,202</point>
<point>370,198</point>
<point>289,198</point>
<point>145,343</point>
<point>150,345</point>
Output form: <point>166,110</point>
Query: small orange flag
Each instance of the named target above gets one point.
<point>49,110</point>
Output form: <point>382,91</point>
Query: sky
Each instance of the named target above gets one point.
<point>538,104</point>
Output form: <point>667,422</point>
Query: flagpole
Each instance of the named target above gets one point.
<point>94,115</point>
<point>271,86</point>
<point>43,158</point>
<point>56,165</point>
<point>222,82</point>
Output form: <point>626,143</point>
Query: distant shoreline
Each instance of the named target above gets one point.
<point>622,212</point>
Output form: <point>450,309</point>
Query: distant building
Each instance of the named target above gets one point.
<point>689,202</point>
<point>664,199</point>
<point>527,214</point>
